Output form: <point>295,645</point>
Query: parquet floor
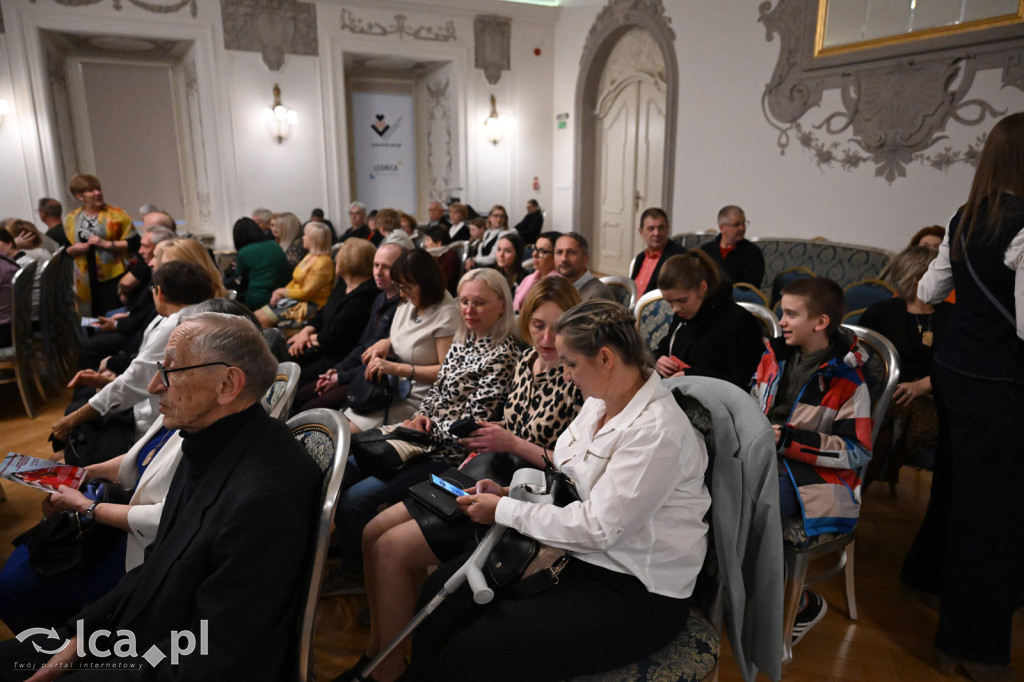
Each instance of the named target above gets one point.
<point>892,640</point>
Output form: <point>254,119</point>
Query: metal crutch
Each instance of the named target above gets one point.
<point>524,484</point>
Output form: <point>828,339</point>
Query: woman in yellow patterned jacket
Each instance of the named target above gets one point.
<point>312,281</point>
<point>101,237</point>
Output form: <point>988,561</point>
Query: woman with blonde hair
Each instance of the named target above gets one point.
<point>191,251</point>
<point>635,540</point>
<point>312,281</point>
<point>402,541</point>
<point>287,231</point>
<point>473,381</point>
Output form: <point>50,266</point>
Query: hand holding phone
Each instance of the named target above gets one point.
<point>446,486</point>
<point>463,427</point>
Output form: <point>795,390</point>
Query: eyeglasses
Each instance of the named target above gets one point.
<point>475,304</point>
<point>743,223</point>
<point>543,253</point>
<point>498,215</point>
<point>405,288</point>
<point>164,372</point>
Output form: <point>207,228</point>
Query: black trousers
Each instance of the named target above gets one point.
<point>592,620</point>
<point>970,549</point>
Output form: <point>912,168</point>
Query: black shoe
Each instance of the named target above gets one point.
<point>809,616</point>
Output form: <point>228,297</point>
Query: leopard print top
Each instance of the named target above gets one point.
<point>540,407</point>
<point>473,382</point>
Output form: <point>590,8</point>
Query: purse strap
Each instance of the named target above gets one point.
<point>984,289</point>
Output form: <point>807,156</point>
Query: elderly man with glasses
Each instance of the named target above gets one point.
<point>221,589</point>
<point>357,219</point>
<point>738,258</point>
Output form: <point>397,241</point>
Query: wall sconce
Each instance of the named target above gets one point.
<point>5,109</point>
<point>278,118</point>
<point>495,125</point>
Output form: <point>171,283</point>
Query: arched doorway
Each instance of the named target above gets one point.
<point>626,103</point>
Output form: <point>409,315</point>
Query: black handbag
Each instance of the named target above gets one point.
<point>366,396</point>
<point>522,566</point>
<point>65,543</point>
<point>385,451</point>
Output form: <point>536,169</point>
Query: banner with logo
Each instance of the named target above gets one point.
<point>385,150</point>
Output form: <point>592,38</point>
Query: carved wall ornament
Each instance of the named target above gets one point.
<point>636,54</point>
<point>350,23</point>
<point>168,7</point>
<point>273,28</point>
<point>629,13</point>
<point>440,152</point>
<point>2,29</point>
<point>492,36</point>
<point>896,100</point>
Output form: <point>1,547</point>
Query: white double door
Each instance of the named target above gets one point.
<point>630,153</point>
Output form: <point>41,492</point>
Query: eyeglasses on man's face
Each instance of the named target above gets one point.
<point>165,373</point>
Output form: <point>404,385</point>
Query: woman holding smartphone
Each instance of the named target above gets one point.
<point>636,540</point>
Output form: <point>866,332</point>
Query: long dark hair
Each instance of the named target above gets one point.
<point>1000,169</point>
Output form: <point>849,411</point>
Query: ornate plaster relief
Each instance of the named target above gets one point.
<point>273,28</point>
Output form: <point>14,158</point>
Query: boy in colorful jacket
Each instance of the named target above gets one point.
<point>809,384</point>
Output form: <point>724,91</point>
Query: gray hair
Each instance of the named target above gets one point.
<point>357,204</point>
<point>727,211</point>
<point>261,215</point>
<point>220,337</point>
<point>158,233</point>
<point>506,324</point>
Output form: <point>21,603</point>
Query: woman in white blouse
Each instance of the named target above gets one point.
<point>636,541</point>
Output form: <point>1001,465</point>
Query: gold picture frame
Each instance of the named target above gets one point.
<point>820,50</point>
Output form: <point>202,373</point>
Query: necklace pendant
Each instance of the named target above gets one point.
<point>927,338</point>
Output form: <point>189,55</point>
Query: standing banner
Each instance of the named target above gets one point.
<point>385,150</point>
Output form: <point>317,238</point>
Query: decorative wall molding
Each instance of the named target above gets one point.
<point>896,100</point>
<point>197,139</point>
<point>635,56</point>
<point>2,29</point>
<point>622,13</point>
<point>153,7</point>
<point>273,28</point>
<point>613,22</point>
<point>492,40</point>
<point>440,152</point>
<point>349,22</point>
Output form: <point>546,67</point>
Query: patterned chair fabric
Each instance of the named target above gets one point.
<point>653,318</point>
<point>692,240</point>
<point>277,400</point>
<point>325,435</point>
<point>57,318</point>
<point>844,263</point>
<point>782,280</point>
<point>743,292</point>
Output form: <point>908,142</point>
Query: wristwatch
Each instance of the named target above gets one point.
<point>90,513</point>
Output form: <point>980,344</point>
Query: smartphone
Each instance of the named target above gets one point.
<point>463,427</point>
<point>90,321</point>
<point>446,486</point>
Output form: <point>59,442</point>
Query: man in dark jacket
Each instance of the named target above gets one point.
<point>740,259</point>
<point>221,590</point>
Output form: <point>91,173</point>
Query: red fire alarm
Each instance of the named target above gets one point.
<point>536,51</point>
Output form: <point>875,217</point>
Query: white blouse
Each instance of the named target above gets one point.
<point>641,479</point>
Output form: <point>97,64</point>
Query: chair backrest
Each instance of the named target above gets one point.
<point>325,435</point>
<point>769,323</point>
<point>881,372</point>
<point>21,311</point>
<point>693,240</point>
<point>277,401</point>
<point>744,292</point>
<point>861,295</point>
<point>784,278</point>
<point>622,288</point>
<point>653,318</point>
<point>57,317</point>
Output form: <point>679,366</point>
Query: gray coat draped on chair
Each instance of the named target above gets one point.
<point>745,520</point>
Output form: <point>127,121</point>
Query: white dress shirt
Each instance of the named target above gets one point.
<point>641,479</point>
<point>130,389</point>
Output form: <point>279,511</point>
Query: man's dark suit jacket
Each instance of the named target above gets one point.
<point>236,554</point>
<point>745,263</point>
<point>671,249</point>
